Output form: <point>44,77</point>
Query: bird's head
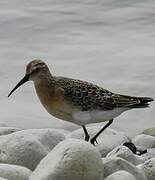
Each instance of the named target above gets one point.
<point>35,71</point>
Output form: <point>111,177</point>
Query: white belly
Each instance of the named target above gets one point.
<point>95,116</point>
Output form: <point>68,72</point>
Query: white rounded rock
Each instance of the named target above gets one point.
<point>112,165</point>
<point>107,140</point>
<point>71,159</point>
<point>149,169</point>
<point>120,175</point>
<point>14,172</point>
<point>150,154</point>
<point>48,137</point>
<point>63,131</point>
<point>125,153</point>
<point>149,131</point>
<point>3,178</point>
<point>145,141</point>
<point>28,147</point>
<point>8,130</point>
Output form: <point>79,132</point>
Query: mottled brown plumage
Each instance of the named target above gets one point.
<point>87,96</point>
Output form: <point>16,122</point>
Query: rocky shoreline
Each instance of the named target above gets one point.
<point>57,154</point>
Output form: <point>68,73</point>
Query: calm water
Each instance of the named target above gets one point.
<point>108,42</point>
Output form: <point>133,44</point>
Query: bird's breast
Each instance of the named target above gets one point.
<point>55,104</point>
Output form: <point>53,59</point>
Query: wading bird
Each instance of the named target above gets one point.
<point>77,101</point>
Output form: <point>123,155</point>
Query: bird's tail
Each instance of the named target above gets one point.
<point>143,102</point>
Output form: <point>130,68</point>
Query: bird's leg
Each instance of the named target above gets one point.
<point>93,140</point>
<point>86,133</point>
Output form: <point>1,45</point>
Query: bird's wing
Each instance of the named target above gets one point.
<point>87,96</point>
<point>124,101</point>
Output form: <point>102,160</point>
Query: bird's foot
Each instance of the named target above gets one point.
<point>141,152</point>
<point>93,141</point>
<point>134,149</point>
<point>131,146</point>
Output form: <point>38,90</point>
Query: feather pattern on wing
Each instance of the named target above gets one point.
<point>87,96</point>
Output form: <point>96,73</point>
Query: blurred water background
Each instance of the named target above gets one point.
<point>108,42</point>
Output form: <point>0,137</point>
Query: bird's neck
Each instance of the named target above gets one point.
<point>44,79</point>
<point>45,87</point>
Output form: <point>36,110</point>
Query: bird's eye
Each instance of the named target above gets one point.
<point>37,69</point>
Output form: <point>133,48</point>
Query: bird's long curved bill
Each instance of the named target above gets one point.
<point>24,80</point>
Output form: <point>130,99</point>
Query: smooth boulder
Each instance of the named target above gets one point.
<point>107,140</point>
<point>120,175</point>
<point>8,130</point>
<point>48,137</point>
<point>149,169</point>
<point>149,131</point>
<point>125,153</point>
<point>112,165</point>
<point>145,141</point>
<point>14,172</point>
<point>28,147</point>
<point>71,159</point>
